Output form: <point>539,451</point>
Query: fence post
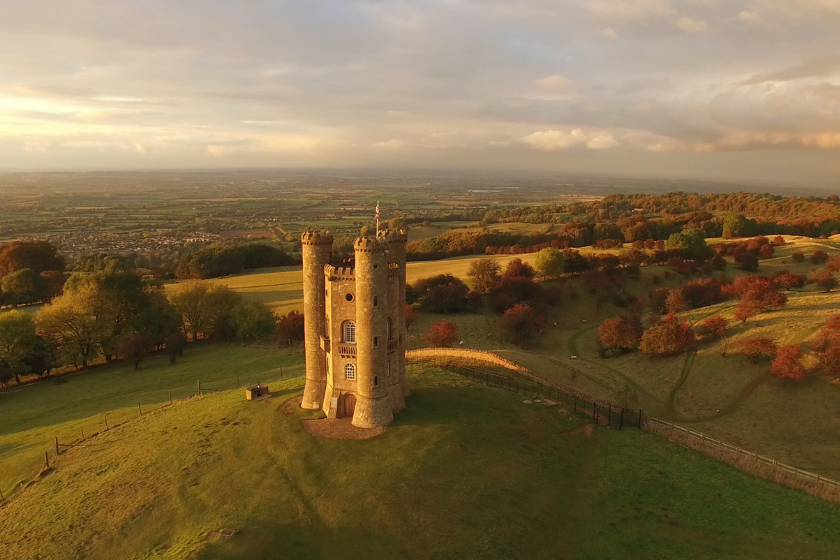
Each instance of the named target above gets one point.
<point>170,396</point>
<point>46,459</point>
<point>640,418</point>
<point>57,451</point>
<point>139,409</point>
<point>83,433</point>
<point>106,422</point>
<point>2,499</point>
<point>198,385</point>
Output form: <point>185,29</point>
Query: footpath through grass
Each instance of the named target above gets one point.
<point>464,472</point>
<point>34,414</point>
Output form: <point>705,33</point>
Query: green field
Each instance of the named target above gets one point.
<point>465,471</point>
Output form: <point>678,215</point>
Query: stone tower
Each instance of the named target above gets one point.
<point>355,328</point>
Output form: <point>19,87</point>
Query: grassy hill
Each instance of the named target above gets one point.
<point>724,397</point>
<point>34,414</point>
<point>464,472</point>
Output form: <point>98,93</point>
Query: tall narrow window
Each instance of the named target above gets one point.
<point>390,332</point>
<point>348,332</point>
<point>376,381</point>
<point>375,301</point>
<point>388,368</point>
<point>350,372</point>
<point>376,342</point>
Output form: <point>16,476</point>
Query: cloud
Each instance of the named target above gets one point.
<point>631,9</point>
<point>808,69</point>
<point>691,25</point>
<point>550,140</point>
<point>555,82</point>
<point>392,144</point>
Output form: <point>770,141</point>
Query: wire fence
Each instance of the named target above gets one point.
<point>602,412</point>
<point>83,430</point>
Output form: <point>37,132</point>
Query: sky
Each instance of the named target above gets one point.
<point>744,90</point>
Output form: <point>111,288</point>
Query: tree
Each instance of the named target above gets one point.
<point>513,290</point>
<point>623,333</point>
<point>734,225</point>
<point>824,279</point>
<point>826,347</point>
<point>37,255</point>
<point>484,274</point>
<point>798,256</point>
<point>442,294</point>
<point>174,345</point>
<point>550,262</point>
<point>205,309</point>
<point>717,325</point>
<point>521,324</point>
<point>158,318</point>
<point>24,286</point>
<point>746,260</point>
<point>70,327</point>
<point>135,348</point>
<point>675,302</point>
<point>692,244</point>
<point>253,320</point>
<point>788,363</point>
<point>743,311</point>
<point>291,326</point>
<point>754,347</point>
<point>671,336</point>
<point>17,342</point>
<point>518,269</point>
<point>788,281</point>
<point>819,256</point>
<point>441,335</point>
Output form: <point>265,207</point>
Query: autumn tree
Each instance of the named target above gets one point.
<point>717,326</point>
<point>518,269</point>
<point>441,335</point>
<point>825,345</point>
<point>290,326</point>
<point>676,302</point>
<point>484,274</point>
<point>819,256</point>
<point>135,348</point>
<point>521,324</point>
<point>788,363</point>
<point>754,347</point>
<point>442,294</point>
<point>671,336</point>
<point>797,256</point>
<point>824,279</point>
<point>623,333</point>
<point>743,311</point>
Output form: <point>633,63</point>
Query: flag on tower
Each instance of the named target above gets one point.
<point>376,216</point>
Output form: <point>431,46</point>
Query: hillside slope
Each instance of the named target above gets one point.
<point>465,472</point>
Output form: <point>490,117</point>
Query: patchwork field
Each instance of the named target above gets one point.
<point>464,472</point>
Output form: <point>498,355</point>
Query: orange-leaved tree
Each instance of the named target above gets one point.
<point>623,333</point>
<point>441,335</point>
<point>753,347</point>
<point>788,363</point>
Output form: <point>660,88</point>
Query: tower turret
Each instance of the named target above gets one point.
<point>395,241</point>
<point>317,253</point>
<point>373,407</point>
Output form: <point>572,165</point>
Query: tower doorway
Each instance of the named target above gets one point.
<point>349,405</point>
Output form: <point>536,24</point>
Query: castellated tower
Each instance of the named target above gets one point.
<point>355,329</point>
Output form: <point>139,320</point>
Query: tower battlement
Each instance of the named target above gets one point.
<point>316,238</point>
<point>393,236</point>
<point>367,245</point>
<point>333,272</point>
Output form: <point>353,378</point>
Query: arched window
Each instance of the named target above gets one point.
<point>350,372</point>
<point>348,332</point>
